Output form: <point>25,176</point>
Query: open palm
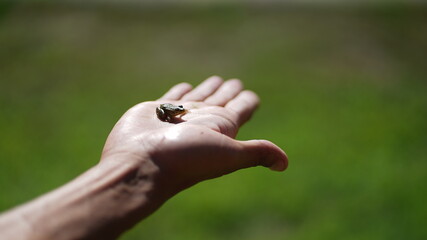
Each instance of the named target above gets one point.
<point>145,161</point>
<point>200,144</point>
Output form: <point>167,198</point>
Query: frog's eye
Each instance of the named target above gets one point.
<point>180,106</point>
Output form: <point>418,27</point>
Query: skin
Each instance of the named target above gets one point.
<point>146,161</point>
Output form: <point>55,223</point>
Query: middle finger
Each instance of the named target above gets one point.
<point>204,90</point>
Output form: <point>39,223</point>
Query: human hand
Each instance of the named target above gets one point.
<point>197,146</point>
<point>145,161</point>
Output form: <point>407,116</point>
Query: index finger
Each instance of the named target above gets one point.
<point>177,91</point>
<point>244,105</point>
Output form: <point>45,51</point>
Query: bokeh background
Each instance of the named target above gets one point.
<point>343,90</point>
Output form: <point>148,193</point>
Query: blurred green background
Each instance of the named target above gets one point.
<point>343,90</point>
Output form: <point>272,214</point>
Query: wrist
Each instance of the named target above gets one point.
<point>100,204</point>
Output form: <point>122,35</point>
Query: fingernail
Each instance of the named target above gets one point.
<point>278,165</point>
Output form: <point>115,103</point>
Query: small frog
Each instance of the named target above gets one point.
<point>167,111</point>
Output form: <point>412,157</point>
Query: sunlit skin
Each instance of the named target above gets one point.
<point>146,161</point>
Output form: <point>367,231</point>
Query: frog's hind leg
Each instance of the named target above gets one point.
<point>161,114</point>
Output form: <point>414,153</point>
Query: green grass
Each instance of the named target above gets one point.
<point>343,93</point>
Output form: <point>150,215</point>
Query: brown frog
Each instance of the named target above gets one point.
<point>167,111</point>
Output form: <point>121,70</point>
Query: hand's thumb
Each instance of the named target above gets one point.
<point>263,153</point>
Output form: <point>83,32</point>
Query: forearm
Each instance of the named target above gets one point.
<point>103,202</point>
